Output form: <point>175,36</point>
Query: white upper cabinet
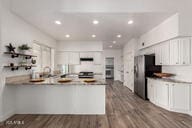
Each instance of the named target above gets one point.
<point>62,58</point>
<point>162,53</point>
<point>158,58</point>
<point>97,57</point>
<point>151,90</point>
<point>86,54</point>
<point>67,58</point>
<point>174,52</point>
<point>185,51</point>
<point>180,51</point>
<point>180,97</point>
<point>165,53</point>
<point>74,58</point>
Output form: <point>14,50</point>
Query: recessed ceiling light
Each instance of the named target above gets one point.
<point>114,42</point>
<point>93,36</point>
<point>67,36</point>
<point>58,22</point>
<point>119,36</point>
<point>111,46</point>
<point>130,22</point>
<point>95,22</point>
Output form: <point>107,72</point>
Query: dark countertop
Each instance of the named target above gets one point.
<point>54,81</point>
<point>170,80</point>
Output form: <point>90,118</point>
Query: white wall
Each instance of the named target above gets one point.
<point>16,31</point>
<point>129,52</point>
<point>168,29</point>
<point>79,46</point>
<point>131,46</point>
<point>117,55</point>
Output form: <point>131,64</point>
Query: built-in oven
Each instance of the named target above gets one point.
<point>109,72</point>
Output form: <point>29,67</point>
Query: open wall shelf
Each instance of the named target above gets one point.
<point>27,67</point>
<point>13,55</point>
<point>14,67</point>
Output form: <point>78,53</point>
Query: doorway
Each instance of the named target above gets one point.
<point>109,68</point>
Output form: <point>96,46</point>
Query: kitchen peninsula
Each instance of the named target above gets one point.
<point>52,97</point>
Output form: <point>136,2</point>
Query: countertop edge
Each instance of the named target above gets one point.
<point>170,80</point>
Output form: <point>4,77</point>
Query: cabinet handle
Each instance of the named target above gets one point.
<point>183,62</point>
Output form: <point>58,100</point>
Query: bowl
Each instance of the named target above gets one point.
<point>64,80</point>
<point>163,74</point>
<point>89,80</point>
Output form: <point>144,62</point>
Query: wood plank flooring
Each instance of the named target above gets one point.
<point>123,110</point>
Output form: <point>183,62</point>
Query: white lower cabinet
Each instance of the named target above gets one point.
<point>179,97</point>
<point>151,90</point>
<point>162,94</point>
<point>175,97</point>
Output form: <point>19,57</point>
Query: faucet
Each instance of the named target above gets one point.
<point>48,73</point>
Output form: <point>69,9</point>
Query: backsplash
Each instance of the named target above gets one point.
<point>87,67</point>
<point>183,73</point>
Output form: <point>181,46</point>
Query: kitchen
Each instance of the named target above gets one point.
<point>72,66</point>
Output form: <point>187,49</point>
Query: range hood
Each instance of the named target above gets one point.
<point>86,59</point>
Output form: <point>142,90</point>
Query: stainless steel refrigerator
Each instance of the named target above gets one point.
<point>144,66</point>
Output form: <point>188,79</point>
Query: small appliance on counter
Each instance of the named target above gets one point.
<point>35,74</point>
<point>86,75</point>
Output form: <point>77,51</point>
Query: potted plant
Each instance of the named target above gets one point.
<point>24,48</point>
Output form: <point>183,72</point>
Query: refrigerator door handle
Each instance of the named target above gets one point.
<point>136,70</point>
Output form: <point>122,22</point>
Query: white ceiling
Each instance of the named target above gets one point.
<point>80,27</point>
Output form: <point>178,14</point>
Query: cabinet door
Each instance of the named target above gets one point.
<point>191,99</point>
<point>87,55</point>
<point>185,44</point>
<point>174,52</point>
<point>180,97</point>
<point>97,58</point>
<point>158,60</point>
<point>162,94</point>
<point>74,58</point>
<point>150,90</point>
<point>62,58</point>
<point>165,53</point>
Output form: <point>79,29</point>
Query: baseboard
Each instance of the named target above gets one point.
<point>6,116</point>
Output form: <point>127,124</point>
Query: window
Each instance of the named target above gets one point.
<point>43,54</point>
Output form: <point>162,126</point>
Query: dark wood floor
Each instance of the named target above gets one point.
<point>123,110</point>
